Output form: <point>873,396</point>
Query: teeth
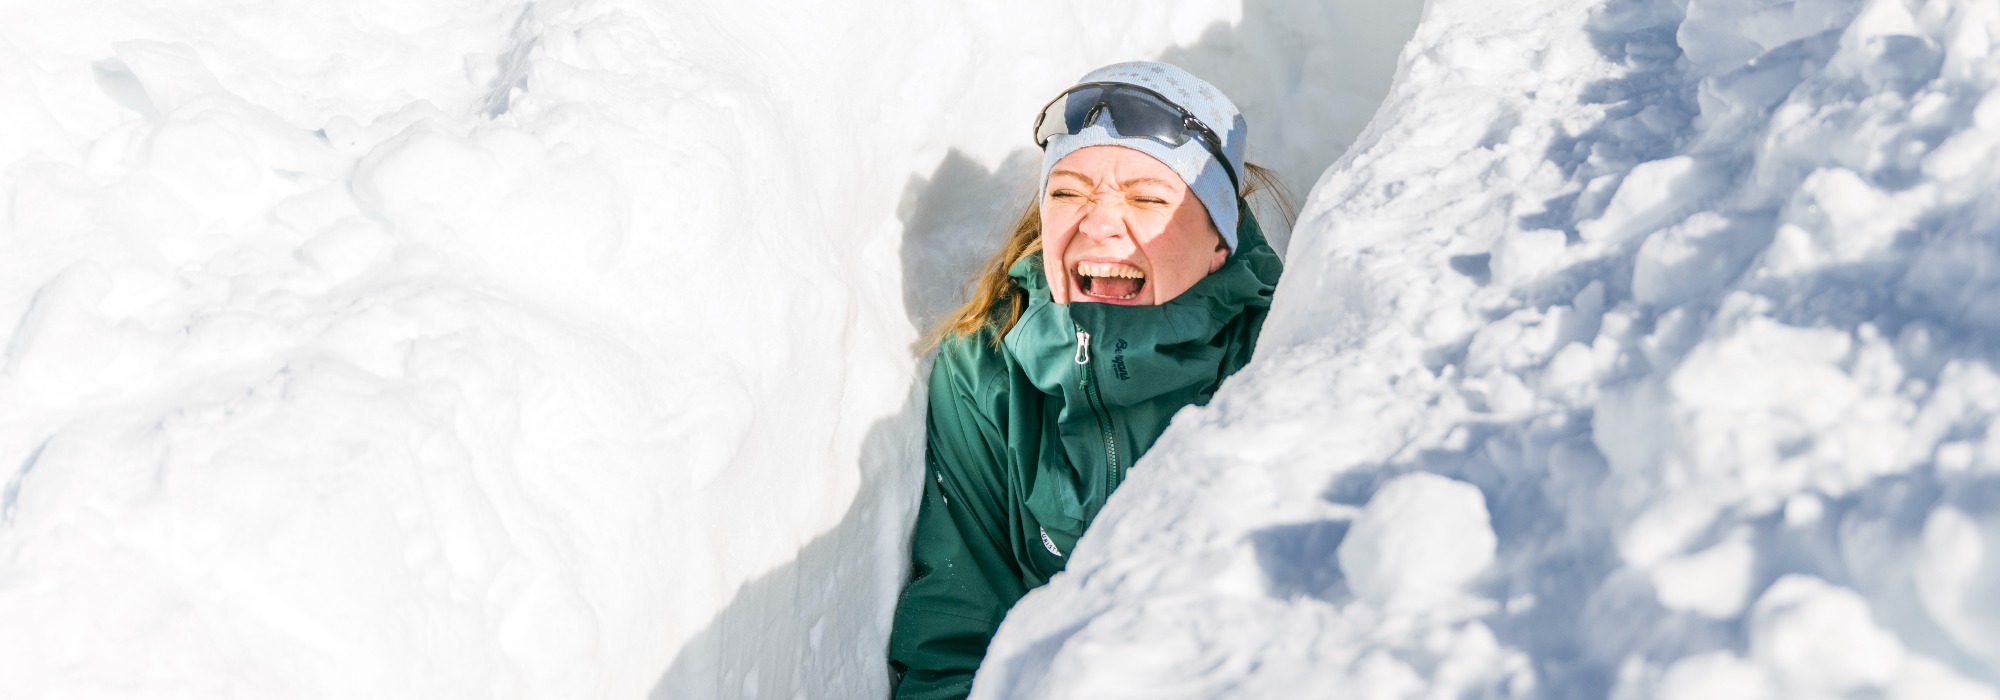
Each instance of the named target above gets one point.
<point>1098,269</point>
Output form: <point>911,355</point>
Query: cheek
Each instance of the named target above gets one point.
<point>1054,237</point>
<point>1059,227</point>
<point>1173,249</point>
<point>1182,254</point>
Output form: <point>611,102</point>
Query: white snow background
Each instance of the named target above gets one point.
<point>1639,349</point>
<point>556,349</point>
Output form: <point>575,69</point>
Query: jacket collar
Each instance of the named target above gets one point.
<point>1161,346</point>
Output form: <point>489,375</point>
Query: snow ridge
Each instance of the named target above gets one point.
<point>1699,295</point>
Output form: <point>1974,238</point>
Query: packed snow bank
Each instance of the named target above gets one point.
<point>552,349</point>
<point>1641,348</point>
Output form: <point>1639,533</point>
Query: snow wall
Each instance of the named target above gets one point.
<point>1639,349</point>
<point>494,348</point>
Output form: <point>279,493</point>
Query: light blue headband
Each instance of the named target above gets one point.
<point>1196,166</point>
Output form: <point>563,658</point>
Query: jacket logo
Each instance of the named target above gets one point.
<point>1118,360</point>
<point>1049,543</point>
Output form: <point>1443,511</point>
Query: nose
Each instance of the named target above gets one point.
<point>1104,218</point>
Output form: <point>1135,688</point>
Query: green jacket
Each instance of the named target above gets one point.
<point>1026,443</point>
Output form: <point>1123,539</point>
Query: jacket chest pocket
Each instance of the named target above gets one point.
<point>1056,520</point>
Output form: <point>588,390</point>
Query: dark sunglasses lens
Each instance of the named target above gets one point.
<point>1138,114</point>
<point>1078,105</point>
<point>1058,118</point>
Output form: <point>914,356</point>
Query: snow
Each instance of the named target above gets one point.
<point>498,348</point>
<point>1688,305</point>
<point>1419,540</point>
<point>1636,348</point>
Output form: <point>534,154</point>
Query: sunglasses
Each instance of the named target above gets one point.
<point>1136,111</point>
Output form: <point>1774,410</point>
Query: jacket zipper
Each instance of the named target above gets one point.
<point>1089,375</point>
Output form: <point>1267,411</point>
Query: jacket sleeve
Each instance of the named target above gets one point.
<point>963,580</point>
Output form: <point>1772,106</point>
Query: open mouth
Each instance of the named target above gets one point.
<point>1113,281</point>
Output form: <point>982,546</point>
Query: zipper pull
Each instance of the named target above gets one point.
<point>1083,347</point>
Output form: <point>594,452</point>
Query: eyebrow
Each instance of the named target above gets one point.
<point>1072,173</point>
<point>1145,180</point>
<point>1123,185</point>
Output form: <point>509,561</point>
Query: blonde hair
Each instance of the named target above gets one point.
<point>996,300</point>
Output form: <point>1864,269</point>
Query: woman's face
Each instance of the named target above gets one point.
<point>1126,229</point>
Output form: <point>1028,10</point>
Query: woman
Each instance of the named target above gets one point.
<point>1134,285</point>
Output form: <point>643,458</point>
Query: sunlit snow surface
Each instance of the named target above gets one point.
<point>378,348</point>
<point>1641,348</point>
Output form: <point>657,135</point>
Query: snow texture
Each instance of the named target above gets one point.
<point>1639,349</point>
<point>475,348</point>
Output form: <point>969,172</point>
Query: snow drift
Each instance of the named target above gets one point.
<point>1640,348</point>
<point>530,349</point>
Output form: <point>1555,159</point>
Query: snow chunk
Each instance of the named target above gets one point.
<point>1820,639</point>
<point>1714,582</point>
<point>1958,573</point>
<point>1650,197</point>
<point>1420,539</point>
<point>1716,676</point>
